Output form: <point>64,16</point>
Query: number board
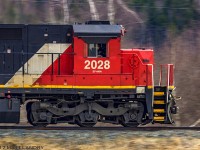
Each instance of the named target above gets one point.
<point>97,66</point>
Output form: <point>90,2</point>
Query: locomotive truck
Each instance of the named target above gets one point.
<point>78,74</point>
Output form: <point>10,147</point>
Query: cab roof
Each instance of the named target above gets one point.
<point>103,30</point>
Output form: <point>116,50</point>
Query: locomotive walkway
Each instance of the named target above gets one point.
<point>100,128</point>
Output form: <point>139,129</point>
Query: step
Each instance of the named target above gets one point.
<point>159,118</point>
<point>159,93</point>
<point>160,89</point>
<point>159,110</point>
<point>159,102</point>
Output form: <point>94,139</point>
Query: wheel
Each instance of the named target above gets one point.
<point>31,119</point>
<point>85,124</point>
<point>129,119</point>
<point>86,119</point>
<point>129,124</point>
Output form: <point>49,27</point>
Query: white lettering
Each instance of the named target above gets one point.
<point>97,64</point>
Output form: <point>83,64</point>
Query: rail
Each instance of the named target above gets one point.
<point>116,128</point>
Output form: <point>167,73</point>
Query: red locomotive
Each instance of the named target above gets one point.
<point>79,74</point>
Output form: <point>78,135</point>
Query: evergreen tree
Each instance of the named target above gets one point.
<point>167,15</point>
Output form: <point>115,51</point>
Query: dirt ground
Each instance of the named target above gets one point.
<point>100,140</point>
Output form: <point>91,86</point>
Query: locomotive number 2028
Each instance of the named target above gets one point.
<point>100,64</point>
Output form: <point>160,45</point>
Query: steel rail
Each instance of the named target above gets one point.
<point>100,128</point>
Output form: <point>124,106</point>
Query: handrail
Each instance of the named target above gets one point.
<point>170,74</point>
<point>150,80</point>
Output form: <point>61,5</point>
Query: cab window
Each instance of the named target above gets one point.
<point>97,50</point>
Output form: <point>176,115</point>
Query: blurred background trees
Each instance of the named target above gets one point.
<point>162,16</point>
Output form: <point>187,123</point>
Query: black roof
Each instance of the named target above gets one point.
<point>82,30</point>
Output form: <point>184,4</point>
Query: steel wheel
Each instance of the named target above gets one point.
<point>31,119</point>
<point>86,119</point>
<point>129,119</point>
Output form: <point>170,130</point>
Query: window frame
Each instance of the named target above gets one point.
<point>86,53</point>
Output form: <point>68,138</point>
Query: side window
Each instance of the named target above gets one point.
<point>97,50</point>
<point>92,50</point>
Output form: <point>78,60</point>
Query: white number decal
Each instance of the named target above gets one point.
<point>107,64</point>
<point>97,64</point>
<point>100,64</point>
<point>93,64</point>
<point>87,66</point>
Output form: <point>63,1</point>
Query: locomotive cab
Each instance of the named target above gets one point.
<point>96,48</point>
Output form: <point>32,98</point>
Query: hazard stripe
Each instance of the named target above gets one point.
<point>159,102</point>
<point>158,118</point>
<point>159,110</point>
<point>171,87</point>
<point>159,93</point>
